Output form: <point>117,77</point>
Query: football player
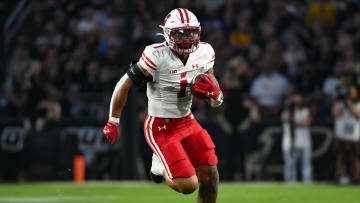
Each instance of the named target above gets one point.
<point>183,151</point>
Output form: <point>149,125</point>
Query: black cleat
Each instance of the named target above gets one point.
<point>157,179</point>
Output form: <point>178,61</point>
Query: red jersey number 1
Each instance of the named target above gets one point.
<point>183,84</point>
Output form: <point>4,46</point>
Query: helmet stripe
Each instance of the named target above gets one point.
<point>181,15</point>
<point>186,14</point>
<point>166,18</point>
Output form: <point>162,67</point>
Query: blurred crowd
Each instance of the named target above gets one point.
<point>68,57</point>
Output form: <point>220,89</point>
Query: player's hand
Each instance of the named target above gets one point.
<point>111,131</point>
<point>207,86</point>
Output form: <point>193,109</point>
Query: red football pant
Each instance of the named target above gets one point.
<point>181,144</point>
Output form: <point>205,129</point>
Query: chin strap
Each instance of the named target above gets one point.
<point>214,103</point>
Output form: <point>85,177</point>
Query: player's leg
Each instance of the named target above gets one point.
<point>200,149</point>
<point>209,180</point>
<point>179,173</point>
<point>182,185</point>
<point>176,167</point>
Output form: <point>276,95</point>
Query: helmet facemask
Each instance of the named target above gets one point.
<point>184,40</point>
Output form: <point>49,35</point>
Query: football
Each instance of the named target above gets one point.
<point>193,92</point>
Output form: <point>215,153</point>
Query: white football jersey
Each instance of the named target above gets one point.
<point>302,133</point>
<point>169,93</point>
<point>347,126</point>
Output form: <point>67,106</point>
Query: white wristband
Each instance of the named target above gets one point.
<point>115,120</point>
<point>216,103</point>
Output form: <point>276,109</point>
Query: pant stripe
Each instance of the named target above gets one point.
<point>151,141</point>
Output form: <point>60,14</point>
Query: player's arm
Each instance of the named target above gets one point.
<point>211,73</point>
<point>119,97</point>
<point>210,88</point>
<point>136,76</point>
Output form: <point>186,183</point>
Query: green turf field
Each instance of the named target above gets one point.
<point>133,192</point>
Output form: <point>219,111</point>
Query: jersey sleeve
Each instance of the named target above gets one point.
<point>210,53</point>
<point>149,61</point>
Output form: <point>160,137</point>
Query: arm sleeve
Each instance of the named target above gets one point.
<point>211,58</point>
<point>149,61</point>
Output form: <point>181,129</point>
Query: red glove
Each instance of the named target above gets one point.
<point>111,131</point>
<point>207,86</point>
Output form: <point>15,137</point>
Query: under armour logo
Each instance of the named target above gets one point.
<point>195,66</point>
<point>210,93</point>
<point>162,128</point>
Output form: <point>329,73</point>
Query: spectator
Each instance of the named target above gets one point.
<point>323,11</point>
<point>332,81</point>
<point>296,143</point>
<point>37,93</point>
<point>51,36</point>
<point>15,94</point>
<point>346,112</point>
<point>294,56</point>
<point>238,75</point>
<point>87,23</point>
<point>269,88</point>
<point>20,60</point>
<point>242,35</point>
